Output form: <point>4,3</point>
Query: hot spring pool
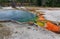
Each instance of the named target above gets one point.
<point>17,15</point>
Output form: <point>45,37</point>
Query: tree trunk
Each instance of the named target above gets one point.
<point>43,2</point>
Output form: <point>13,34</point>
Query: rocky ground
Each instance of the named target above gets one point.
<point>11,30</point>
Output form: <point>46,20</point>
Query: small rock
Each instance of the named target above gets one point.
<point>1,25</point>
<point>28,28</point>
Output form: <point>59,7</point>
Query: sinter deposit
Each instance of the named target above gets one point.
<point>10,30</point>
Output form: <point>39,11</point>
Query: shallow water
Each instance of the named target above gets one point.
<point>16,15</point>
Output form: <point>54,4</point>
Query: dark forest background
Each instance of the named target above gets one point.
<point>43,3</point>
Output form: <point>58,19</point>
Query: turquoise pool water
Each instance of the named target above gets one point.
<point>17,15</point>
